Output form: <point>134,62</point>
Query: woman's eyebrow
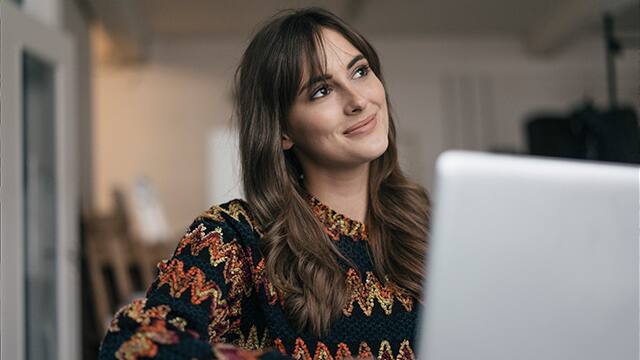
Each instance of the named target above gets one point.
<point>354,60</point>
<point>313,81</point>
<point>320,78</point>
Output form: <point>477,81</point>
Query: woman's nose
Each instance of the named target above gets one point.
<point>355,102</point>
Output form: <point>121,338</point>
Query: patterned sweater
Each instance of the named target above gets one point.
<point>212,299</point>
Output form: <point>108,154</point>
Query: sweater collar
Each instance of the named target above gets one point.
<point>336,224</point>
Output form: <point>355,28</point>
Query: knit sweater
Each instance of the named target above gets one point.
<point>212,299</point>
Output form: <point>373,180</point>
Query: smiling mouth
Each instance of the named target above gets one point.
<point>360,124</point>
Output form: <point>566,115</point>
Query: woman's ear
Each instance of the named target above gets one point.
<point>287,143</point>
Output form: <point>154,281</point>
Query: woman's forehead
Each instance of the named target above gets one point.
<point>337,47</point>
<point>334,51</point>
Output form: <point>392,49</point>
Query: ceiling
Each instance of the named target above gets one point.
<point>239,18</point>
<point>205,17</point>
<point>542,25</point>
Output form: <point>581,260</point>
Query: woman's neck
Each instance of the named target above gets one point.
<point>346,191</point>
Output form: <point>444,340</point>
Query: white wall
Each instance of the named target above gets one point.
<point>154,119</point>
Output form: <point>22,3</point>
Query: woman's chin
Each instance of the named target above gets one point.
<point>373,150</point>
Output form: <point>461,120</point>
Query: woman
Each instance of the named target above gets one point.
<point>325,257</point>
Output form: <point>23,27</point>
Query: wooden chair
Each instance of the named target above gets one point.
<point>121,266</point>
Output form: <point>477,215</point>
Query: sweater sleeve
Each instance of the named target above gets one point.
<point>194,303</point>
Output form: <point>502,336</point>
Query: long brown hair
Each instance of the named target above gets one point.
<point>301,261</point>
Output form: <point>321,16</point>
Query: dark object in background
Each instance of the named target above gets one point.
<point>587,133</point>
<point>554,135</point>
<point>616,136</point>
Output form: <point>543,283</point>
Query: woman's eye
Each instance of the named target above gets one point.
<point>361,71</point>
<point>321,92</point>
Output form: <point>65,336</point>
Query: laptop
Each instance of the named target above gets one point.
<point>532,258</point>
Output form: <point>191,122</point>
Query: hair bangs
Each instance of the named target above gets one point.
<point>310,55</point>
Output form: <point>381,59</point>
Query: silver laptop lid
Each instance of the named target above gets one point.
<point>532,258</point>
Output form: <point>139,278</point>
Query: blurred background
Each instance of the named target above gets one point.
<point>116,127</point>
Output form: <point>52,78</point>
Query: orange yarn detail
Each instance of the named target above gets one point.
<point>252,341</point>
<point>365,294</point>
<point>173,274</point>
<point>234,211</point>
<point>235,260</point>
<point>364,352</point>
<point>322,352</point>
<point>301,351</point>
<point>144,342</point>
<point>336,224</point>
<point>280,346</point>
<point>219,324</point>
<point>136,311</point>
<point>385,351</point>
<point>260,279</point>
<point>405,352</point>
<point>343,352</point>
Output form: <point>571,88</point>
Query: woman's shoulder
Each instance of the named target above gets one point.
<point>233,219</point>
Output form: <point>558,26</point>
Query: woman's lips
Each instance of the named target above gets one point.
<point>362,126</point>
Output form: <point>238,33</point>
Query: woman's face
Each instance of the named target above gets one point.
<point>340,121</point>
